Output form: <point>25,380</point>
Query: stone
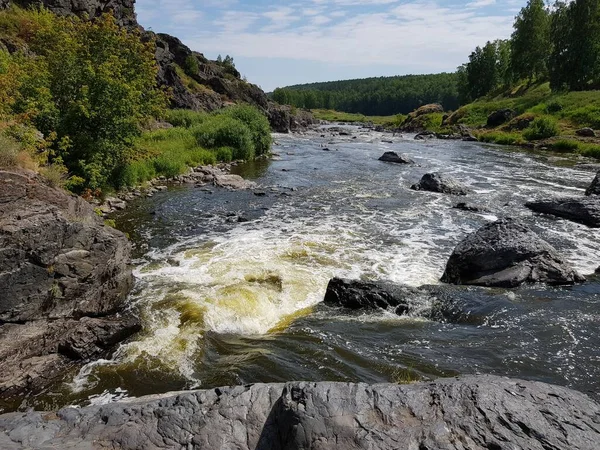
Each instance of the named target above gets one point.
<point>499,117</point>
<point>393,157</point>
<point>594,188</point>
<point>424,135</point>
<point>438,182</point>
<point>471,412</point>
<point>470,207</point>
<point>507,253</point>
<point>121,9</point>
<point>586,132</point>
<point>59,267</point>
<point>584,210</point>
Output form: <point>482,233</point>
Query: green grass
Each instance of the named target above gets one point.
<point>501,137</point>
<point>337,116</point>
<point>541,128</point>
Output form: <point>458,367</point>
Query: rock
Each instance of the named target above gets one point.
<point>260,193</point>
<point>393,157</point>
<point>586,132</point>
<point>520,122</point>
<point>416,120</point>
<point>121,9</point>
<point>428,109</point>
<point>507,253</point>
<point>474,412</point>
<point>229,181</point>
<point>470,207</point>
<point>469,138</point>
<point>368,295</point>
<point>594,188</point>
<point>437,182</point>
<point>424,135</point>
<point>284,119</point>
<point>58,265</point>
<point>499,117</point>
<point>584,210</point>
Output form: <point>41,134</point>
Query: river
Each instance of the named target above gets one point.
<point>234,302</point>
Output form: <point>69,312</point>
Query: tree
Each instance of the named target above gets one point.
<point>530,43</point>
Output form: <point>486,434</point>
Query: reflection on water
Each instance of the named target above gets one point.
<point>226,302</point>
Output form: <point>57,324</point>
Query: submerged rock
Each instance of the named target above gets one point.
<point>507,253</point>
<point>58,264</point>
<point>393,157</point>
<point>594,188</point>
<point>475,412</point>
<point>584,210</point>
<point>470,207</point>
<point>438,182</point>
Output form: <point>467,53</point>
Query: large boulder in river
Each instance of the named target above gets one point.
<point>472,412</point>
<point>64,277</point>
<point>393,157</point>
<point>438,182</point>
<point>594,188</point>
<point>507,253</point>
<point>585,210</point>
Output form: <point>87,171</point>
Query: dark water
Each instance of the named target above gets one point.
<point>225,302</point>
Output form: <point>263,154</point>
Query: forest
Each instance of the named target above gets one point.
<point>383,96</point>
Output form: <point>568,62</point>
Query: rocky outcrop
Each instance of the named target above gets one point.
<point>438,182</point>
<point>507,253</point>
<point>584,210</point>
<point>474,412</point>
<point>594,188</point>
<point>64,277</point>
<point>499,117</point>
<point>121,9</point>
<point>586,132</point>
<point>284,118</point>
<point>393,157</point>
<point>417,120</point>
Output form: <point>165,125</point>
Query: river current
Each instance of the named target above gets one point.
<point>225,301</point>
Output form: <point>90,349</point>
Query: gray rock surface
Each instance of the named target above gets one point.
<point>438,182</point>
<point>594,188</point>
<point>473,412</point>
<point>64,277</point>
<point>121,9</point>
<point>507,253</point>
<point>393,157</point>
<point>584,210</point>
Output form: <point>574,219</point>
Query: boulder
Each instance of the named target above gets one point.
<point>423,135</point>
<point>428,109</point>
<point>584,210</point>
<point>519,123</point>
<point>474,412</point>
<point>507,253</point>
<point>594,188</point>
<point>121,9</point>
<point>59,267</point>
<point>393,157</point>
<point>586,132</point>
<point>463,206</point>
<point>499,117</point>
<point>437,182</point>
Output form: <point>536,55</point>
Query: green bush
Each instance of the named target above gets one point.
<point>501,138</point>
<point>9,152</point>
<point>185,117</point>
<point>591,150</point>
<point>554,107</point>
<point>565,145</point>
<point>190,65</point>
<point>223,131</point>
<point>256,121</point>
<point>224,154</point>
<point>541,128</point>
<point>587,116</point>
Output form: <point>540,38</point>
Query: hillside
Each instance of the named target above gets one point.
<point>383,96</point>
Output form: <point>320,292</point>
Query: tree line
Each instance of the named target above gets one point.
<point>381,96</point>
<point>558,43</point>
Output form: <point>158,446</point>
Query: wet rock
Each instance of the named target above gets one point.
<point>234,182</point>
<point>355,294</point>
<point>393,157</point>
<point>499,117</point>
<point>584,210</point>
<point>594,188</point>
<point>438,182</point>
<point>260,193</point>
<point>507,253</point>
<point>424,135</point>
<point>475,412</point>
<point>58,264</point>
<point>586,132</point>
<point>470,207</point>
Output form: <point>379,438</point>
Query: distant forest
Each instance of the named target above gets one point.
<point>383,96</point>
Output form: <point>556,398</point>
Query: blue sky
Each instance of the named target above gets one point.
<point>291,42</point>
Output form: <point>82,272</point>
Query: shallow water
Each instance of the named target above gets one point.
<point>226,303</point>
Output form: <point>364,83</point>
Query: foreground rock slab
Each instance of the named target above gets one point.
<point>594,188</point>
<point>393,157</point>
<point>473,412</point>
<point>585,210</point>
<point>507,253</point>
<point>438,182</point>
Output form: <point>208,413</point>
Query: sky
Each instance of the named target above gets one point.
<point>277,44</point>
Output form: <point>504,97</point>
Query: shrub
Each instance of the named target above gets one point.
<point>222,131</point>
<point>591,150</point>
<point>256,121</point>
<point>501,138</point>
<point>553,107</point>
<point>184,117</point>
<point>9,152</point>
<point>190,65</point>
<point>588,116</point>
<point>224,154</point>
<point>541,128</point>
<point>565,145</point>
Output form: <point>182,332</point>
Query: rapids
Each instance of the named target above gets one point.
<point>229,302</point>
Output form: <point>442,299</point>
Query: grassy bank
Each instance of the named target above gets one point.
<point>337,116</point>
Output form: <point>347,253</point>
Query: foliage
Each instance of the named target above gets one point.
<point>338,116</point>
<point>223,131</point>
<point>90,85</point>
<point>530,42</point>
<point>488,69</point>
<point>383,96</point>
<point>257,123</point>
<point>501,137</point>
<point>191,66</point>
<point>541,128</point>
<point>565,145</point>
<point>184,117</point>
